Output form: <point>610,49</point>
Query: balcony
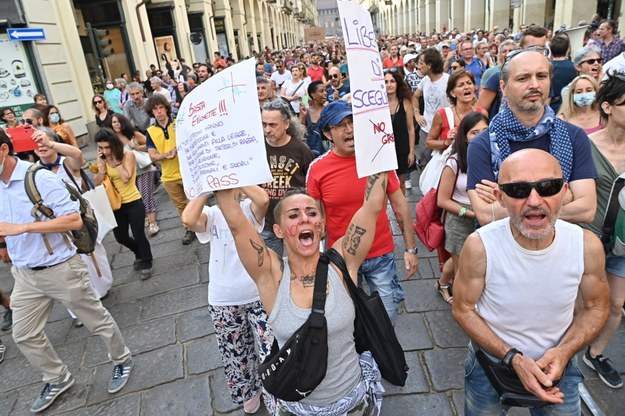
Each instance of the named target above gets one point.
<point>388,2</point>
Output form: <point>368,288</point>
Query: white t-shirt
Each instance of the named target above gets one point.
<point>616,64</point>
<point>290,89</point>
<point>279,79</point>
<point>434,97</point>
<point>229,283</point>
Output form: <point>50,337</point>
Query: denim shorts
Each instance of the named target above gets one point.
<point>615,265</point>
<point>481,399</point>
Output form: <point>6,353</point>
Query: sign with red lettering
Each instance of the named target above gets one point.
<point>220,135</point>
<point>373,128</point>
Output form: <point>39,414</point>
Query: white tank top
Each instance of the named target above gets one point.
<point>529,296</point>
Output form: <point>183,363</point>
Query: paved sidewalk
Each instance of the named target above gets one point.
<point>178,371</point>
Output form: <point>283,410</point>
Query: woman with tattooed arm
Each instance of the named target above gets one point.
<point>286,291</point>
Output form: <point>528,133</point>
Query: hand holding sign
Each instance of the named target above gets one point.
<point>219,133</point>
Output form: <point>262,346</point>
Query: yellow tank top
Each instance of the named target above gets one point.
<point>128,191</point>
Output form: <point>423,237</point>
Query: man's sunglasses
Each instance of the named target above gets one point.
<point>28,121</point>
<point>592,61</point>
<point>522,190</point>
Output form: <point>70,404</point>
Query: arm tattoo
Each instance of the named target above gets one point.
<point>351,241</point>
<point>260,252</point>
<point>370,183</point>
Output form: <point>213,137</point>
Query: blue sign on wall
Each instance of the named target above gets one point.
<point>23,34</point>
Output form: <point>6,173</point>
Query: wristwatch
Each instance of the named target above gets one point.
<point>507,359</point>
<point>414,250</point>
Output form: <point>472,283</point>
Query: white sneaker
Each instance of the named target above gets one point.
<point>408,184</point>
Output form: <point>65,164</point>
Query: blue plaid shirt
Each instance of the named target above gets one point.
<point>609,51</point>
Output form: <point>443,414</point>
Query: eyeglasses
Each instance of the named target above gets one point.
<point>28,121</point>
<point>542,49</point>
<point>592,61</point>
<point>521,190</point>
<point>344,124</point>
<point>98,102</point>
<point>467,49</point>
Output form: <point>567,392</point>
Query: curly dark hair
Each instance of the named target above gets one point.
<point>154,100</point>
<point>108,135</point>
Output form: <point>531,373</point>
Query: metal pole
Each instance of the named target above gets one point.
<point>589,401</point>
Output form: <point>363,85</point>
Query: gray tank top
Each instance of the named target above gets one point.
<point>343,368</point>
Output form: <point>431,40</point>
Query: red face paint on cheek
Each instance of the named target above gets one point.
<point>291,231</point>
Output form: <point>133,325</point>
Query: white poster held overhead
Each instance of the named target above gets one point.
<point>373,129</point>
<point>219,133</point>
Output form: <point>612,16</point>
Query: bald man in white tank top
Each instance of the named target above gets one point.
<point>515,291</point>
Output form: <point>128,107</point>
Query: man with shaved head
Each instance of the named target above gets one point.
<point>528,122</point>
<point>515,293</point>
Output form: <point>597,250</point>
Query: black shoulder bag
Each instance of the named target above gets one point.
<point>373,330</point>
<point>295,370</point>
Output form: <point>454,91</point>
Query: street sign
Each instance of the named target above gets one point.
<point>24,34</point>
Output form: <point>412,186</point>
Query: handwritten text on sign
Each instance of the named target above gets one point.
<point>373,130</point>
<point>218,148</point>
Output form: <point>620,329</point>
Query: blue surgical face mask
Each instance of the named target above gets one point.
<point>54,118</point>
<point>584,99</point>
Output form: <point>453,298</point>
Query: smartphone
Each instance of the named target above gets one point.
<point>22,138</point>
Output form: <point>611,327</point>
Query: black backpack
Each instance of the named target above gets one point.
<point>85,238</point>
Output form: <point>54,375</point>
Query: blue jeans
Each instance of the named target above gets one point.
<point>273,242</point>
<point>381,276</point>
<point>481,399</point>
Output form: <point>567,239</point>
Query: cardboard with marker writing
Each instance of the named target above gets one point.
<point>219,133</point>
<point>373,130</point>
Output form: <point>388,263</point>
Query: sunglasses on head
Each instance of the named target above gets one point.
<point>26,121</point>
<point>544,50</point>
<point>521,190</point>
<point>391,70</point>
<point>592,61</point>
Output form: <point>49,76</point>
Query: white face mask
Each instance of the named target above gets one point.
<point>109,86</point>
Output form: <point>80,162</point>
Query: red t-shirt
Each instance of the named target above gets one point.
<point>315,74</point>
<point>333,180</point>
<point>390,63</point>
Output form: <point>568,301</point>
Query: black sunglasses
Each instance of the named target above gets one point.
<point>521,190</point>
<point>28,121</point>
<point>98,102</point>
<point>592,61</point>
<point>335,75</point>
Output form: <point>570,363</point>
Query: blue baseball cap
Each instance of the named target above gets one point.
<point>333,113</point>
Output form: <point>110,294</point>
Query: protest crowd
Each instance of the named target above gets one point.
<point>516,137</point>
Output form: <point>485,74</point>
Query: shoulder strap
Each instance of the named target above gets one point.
<point>300,84</point>
<point>339,262</point>
<point>612,211</point>
<point>450,117</point>
<point>319,295</point>
<point>33,193</point>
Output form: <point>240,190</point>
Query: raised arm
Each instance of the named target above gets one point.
<point>260,201</point>
<point>193,216</point>
<point>356,242</point>
<point>259,262</point>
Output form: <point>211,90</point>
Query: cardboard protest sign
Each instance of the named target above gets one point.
<point>373,129</point>
<point>219,133</point>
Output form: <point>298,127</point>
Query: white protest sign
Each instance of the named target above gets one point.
<point>373,129</point>
<point>219,133</point>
